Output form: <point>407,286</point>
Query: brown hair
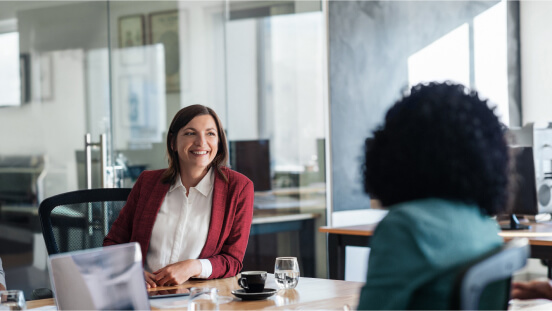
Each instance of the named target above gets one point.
<point>183,117</point>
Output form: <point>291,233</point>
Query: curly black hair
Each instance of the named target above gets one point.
<point>439,141</point>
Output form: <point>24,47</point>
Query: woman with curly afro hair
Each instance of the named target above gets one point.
<point>440,164</point>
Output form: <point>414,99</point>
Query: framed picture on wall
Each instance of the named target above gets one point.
<point>164,29</point>
<point>131,31</point>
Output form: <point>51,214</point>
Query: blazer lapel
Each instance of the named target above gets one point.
<point>218,211</point>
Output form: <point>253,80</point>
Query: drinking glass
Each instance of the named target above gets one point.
<point>286,272</point>
<point>12,300</point>
<point>203,298</point>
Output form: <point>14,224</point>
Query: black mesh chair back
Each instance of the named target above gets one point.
<point>485,283</point>
<point>80,219</point>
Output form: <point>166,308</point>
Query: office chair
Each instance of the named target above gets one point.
<point>80,219</point>
<point>485,283</point>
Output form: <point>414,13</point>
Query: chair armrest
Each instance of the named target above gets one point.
<point>42,293</point>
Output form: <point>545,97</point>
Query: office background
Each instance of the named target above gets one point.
<point>306,79</point>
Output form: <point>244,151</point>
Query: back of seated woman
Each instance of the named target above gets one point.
<point>440,164</point>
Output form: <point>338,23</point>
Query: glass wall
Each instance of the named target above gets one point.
<point>44,119</point>
<point>275,54</point>
<point>122,69</point>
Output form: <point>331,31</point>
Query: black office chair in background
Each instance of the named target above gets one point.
<point>485,283</point>
<point>80,219</point>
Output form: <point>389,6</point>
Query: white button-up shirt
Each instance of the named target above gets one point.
<point>182,224</point>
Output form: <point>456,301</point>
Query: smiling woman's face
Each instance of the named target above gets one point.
<point>197,143</point>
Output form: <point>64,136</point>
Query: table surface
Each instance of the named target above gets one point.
<point>310,293</point>
<point>362,230</point>
<point>538,234</point>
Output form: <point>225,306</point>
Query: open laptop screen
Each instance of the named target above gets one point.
<point>108,278</point>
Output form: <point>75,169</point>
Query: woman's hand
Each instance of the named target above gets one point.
<point>150,279</point>
<point>532,290</point>
<point>177,273</point>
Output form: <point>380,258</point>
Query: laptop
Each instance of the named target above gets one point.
<point>108,278</point>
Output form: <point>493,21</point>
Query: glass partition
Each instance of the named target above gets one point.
<point>45,118</point>
<point>120,70</point>
<point>260,66</point>
<point>275,81</point>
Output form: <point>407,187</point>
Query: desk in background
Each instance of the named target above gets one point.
<point>341,237</point>
<point>297,211</point>
<point>540,240</point>
<point>270,222</point>
<point>310,294</point>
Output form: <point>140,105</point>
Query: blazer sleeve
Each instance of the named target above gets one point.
<point>228,262</point>
<point>121,230</point>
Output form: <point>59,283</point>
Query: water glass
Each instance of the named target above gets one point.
<point>12,300</point>
<point>286,272</point>
<point>203,298</point>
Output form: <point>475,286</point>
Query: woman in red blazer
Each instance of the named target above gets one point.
<point>196,147</point>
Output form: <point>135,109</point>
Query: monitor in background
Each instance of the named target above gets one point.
<point>524,194</point>
<point>252,158</point>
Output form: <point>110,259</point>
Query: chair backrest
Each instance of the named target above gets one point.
<point>80,219</point>
<point>485,283</point>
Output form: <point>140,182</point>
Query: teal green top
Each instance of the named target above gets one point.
<point>413,247</point>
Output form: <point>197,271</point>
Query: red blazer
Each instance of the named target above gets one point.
<point>231,217</point>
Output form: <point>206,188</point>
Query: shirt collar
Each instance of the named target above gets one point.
<point>204,186</point>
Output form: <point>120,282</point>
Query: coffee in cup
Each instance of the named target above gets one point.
<point>252,281</point>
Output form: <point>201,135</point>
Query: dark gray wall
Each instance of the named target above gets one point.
<point>370,42</point>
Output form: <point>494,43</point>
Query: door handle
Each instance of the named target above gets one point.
<point>88,145</point>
